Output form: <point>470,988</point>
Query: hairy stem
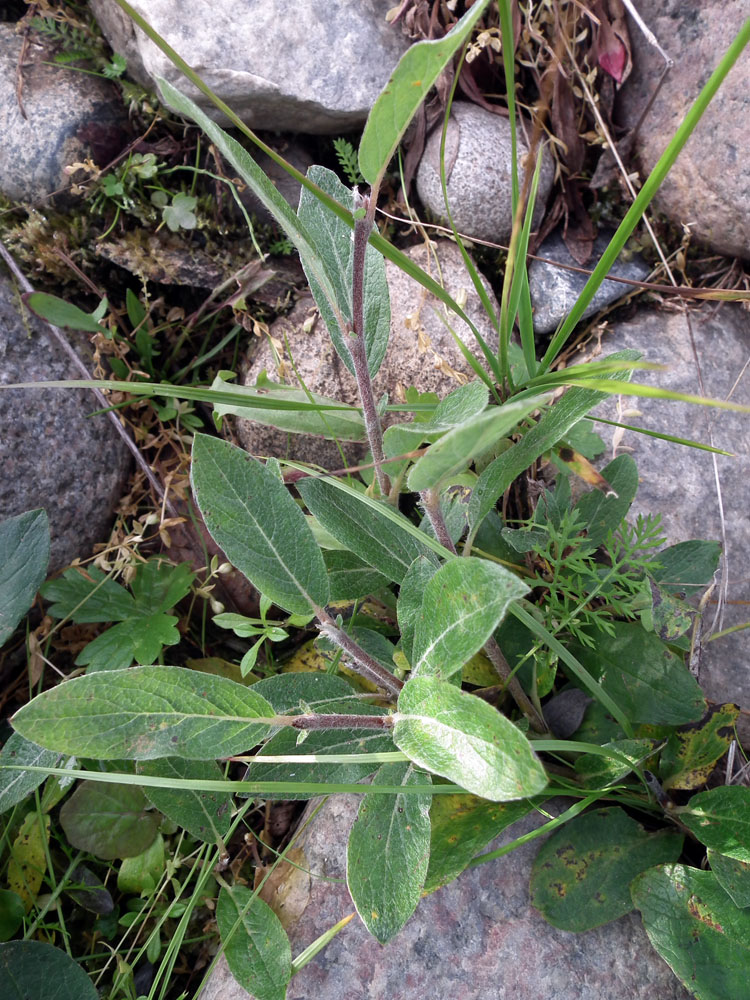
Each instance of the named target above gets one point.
<point>517,693</point>
<point>362,230</point>
<point>362,662</point>
<point>431,504</point>
<point>311,721</point>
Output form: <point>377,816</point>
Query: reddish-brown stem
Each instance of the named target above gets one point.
<point>517,693</point>
<point>431,504</point>
<point>341,722</point>
<point>362,662</point>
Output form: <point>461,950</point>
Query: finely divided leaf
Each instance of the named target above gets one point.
<point>388,852</point>
<point>461,737</point>
<point>462,606</point>
<point>252,516</point>
<point>146,712</point>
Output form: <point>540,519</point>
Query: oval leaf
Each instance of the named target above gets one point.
<point>410,595</point>
<point>24,965</point>
<point>466,740</point>
<point>582,873</point>
<point>16,785</point>
<point>147,712</point>
<point>388,852</point>
<point>462,606</point>
<point>255,944</point>
<point>696,928</point>
<point>732,875</point>
<point>109,820</point>
<point>28,858</point>
<point>24,554</point>
<point>720,818</point>
<point>252,516</point>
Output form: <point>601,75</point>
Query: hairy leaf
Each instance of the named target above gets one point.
<point>24,554</point>
<point>256,947</point>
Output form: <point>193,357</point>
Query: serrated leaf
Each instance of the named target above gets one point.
<point>109,820</point>
<point>376,538</point>
<point>460,826</point>
<point>24,555</point>
<point>349,577</point>
<point>410,596</point>
<point>205,815</point>
<point>255,520</point>
<point>88,596</point>
<point>334,245</point>
<point>158,587</point>
<point>147,712</point>
<point>28,858</point>
<point>141,639</point>
<point>141,873</point>
<point>388,852</point>
<point>696,928</point>
<point>345,422</point>
<point>581,876</point>
<point>686,568</point>
<point>462,606</point>
<point>732,875</point>
<point>455,451</point>
<point>603,512</point>
<point>16,785</point>
<point>26,964</point>
<point>461,737</point>
<point>649,682</point>
<point>416,72</point>
<point>720,819</point>
<point>693,750</point>
<point>255,944</point>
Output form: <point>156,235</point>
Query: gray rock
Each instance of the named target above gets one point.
<point>478,174</point>
<point>678,482</point>
<point>478,938</point>
<point>554,290</point>
<point>421,352</point>
<point>299,156</point>
<point>69,116</point>
<point>52,454</point>
<point>313,67</point>
<point>709,186</point>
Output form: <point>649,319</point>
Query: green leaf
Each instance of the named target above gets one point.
<point>141,873</point>
<point>61,313</point>
<point>24,965</point>
<point>696,928</point>
<point>255,520</point>
<point>687,567</point>
<point>11,914</point>
<point>720,819</point>
<point>24,554</point>
<point>147,712</point>
<point>333,242</point>
<point>88,596</point>
<point>180,214</point>
<point>732,875</point>
<point>461,825</point>
<point>670,617</point>
<point>28,858</point>
<point>16,785</point>
<point>158,586</point>
<point>607,770</point>
<point>256,947</point>
<point>291,693</point>
<point>349,578</point>
<point>581,876</point>
<point>410,82</point>
<point>461,737</point>
<point>693,751</point>
<point>109,820</point>
<point>648,682</point>
<point>207,816</point>
<point>140,638</point>
<point>462,606</point>
<point>376,538</point>
<point>410,596</point>
<point>387,853</point>
<point>552,427</point>
<point>345,423</point>
<point>603,512</point>
<point>455,451</point>
<point>465,403</point>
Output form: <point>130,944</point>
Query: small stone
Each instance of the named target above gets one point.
<point>52,453</point>
<point>69,117</point>
<point>478,174</point>
<point>554,290</point>
<point>708,188</point>
<point>295,153</point>
<point>421,352</point>
<point>312,68</point>
<point>678,482</point>
<point>478,938</point>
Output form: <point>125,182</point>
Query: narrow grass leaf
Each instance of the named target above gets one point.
<point>720,819</point>
<point>462,606</point>
<point>696,928</point>
<point>146,712</point>
<point>207,816</point>
<point>462,738</point>
<point>256,946</point>
<point>581,876</point>
<point>388,852</point>
<point>252,516</point>
<point>408,86</point>
<point>24,554</point>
